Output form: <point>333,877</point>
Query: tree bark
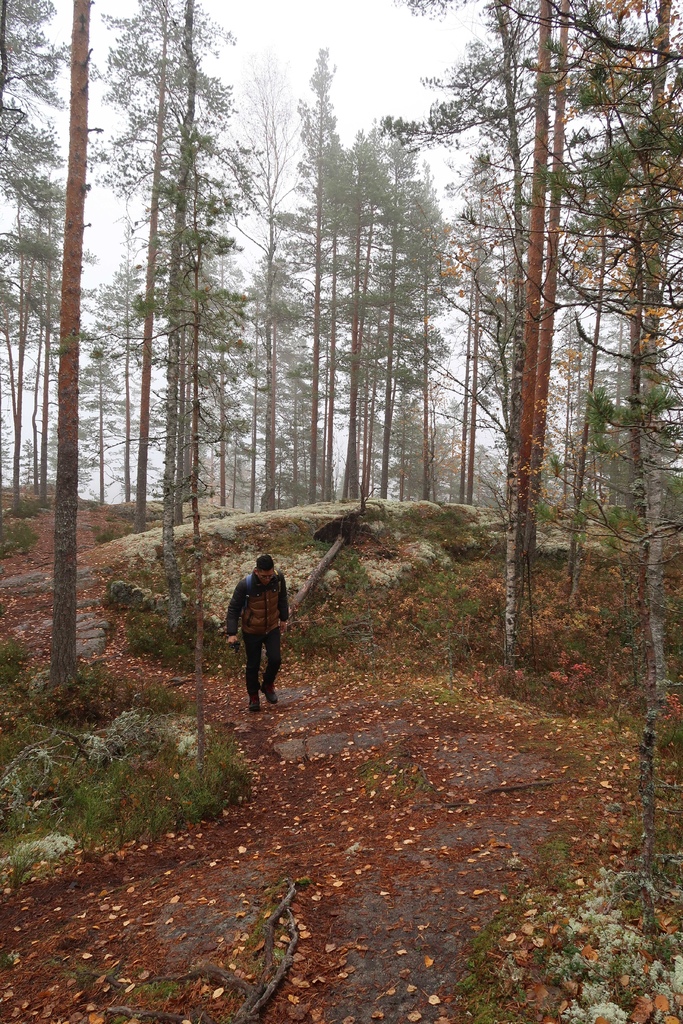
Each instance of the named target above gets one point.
<point>254,434</point>
<point>389,380</point>
<point>574,560</point>
<point>63,652</point>
<point>34,414</point>
<point>547,326</point>
<point>331,383</point>
<point>171,569</point>
<point>148,328</point>
<point>196,531</point>
<point>534,285</point>
<point>512,555</point>
<point>475,383</point>
<point>317,288</point>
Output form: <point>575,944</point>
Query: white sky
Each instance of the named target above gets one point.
<point>380,50</point>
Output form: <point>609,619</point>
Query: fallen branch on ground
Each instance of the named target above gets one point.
<point>257,996</point>
<point>515,788</point>
<point>317,574</point>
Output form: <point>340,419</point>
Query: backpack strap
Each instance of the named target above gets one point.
<point>250,581</point>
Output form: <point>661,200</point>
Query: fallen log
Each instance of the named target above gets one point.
<point>317,574</point>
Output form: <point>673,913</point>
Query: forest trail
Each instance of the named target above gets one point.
<point>388,807</point>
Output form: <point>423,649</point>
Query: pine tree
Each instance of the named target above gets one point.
<point>63,654</point>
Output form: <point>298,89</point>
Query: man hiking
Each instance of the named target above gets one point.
<point>261,600</point>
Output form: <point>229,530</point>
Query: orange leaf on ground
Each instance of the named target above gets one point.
<point>662,1003</point>
<point>642,1011</point>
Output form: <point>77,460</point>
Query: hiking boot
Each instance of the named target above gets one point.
<point>270,694</point>
<point>254,702</point>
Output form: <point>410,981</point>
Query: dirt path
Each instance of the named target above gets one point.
<point>389,809</point>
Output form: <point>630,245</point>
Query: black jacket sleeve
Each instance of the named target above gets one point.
<point>283,604</point>
<point>236,607</point>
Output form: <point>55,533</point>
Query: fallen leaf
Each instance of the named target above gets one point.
<point>479,892</point>
<point>174,899</point>
<point>433,1000</point>
<point>589,953</point>
<point>337,883</point>
<point>241,849</point>
<point>217,993</point>
<point>401,952</point>
<point>671,1020</point>
<point>330,946</point>
<point>428,961</point>
<point>414,1016</point>
<point>86,956</point>
<point>293,999</point>
<point>662,1004</point>
<point>642,1011</point>
<point>605,784</point>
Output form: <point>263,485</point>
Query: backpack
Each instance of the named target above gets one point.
<point>250,583</point>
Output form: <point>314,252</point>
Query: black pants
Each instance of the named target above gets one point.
<point>253,645</point>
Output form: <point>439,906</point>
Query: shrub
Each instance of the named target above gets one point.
<point>18,537</point>
<point>94,696</point>
<point>13,657</point>
<point>149,636</point>
<point>131,780</point>
<point>27,509</point>
<point>112,532</point>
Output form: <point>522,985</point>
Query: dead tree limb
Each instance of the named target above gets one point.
<point>213,973</point>
<point>257,996</point>
<point>515,788</point>
<point>250,1010</point>
<point>317,574</point>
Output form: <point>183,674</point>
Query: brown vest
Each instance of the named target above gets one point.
<point>262,613</point>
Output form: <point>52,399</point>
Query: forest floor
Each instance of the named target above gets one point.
<point>410,820</point>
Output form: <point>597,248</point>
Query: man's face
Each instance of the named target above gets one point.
<point>265,575</point>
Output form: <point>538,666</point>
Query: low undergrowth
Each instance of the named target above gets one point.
<point>88,791</point>
<point>18,537</point>
<point>98,764</point>
<point>580,958</point>
<point>149,636</point>
<point>112,531</point>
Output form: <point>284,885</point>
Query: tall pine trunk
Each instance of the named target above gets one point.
<point>574,561</point>
<point>148,328</point>
<point>63,653</point>
<point>389,378</point>
<point>329,462</point>
<point>176,287</point>
<point>196,531</point>
<point>547,327</point>
<point>516,468</point>
<point>46,380</point>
